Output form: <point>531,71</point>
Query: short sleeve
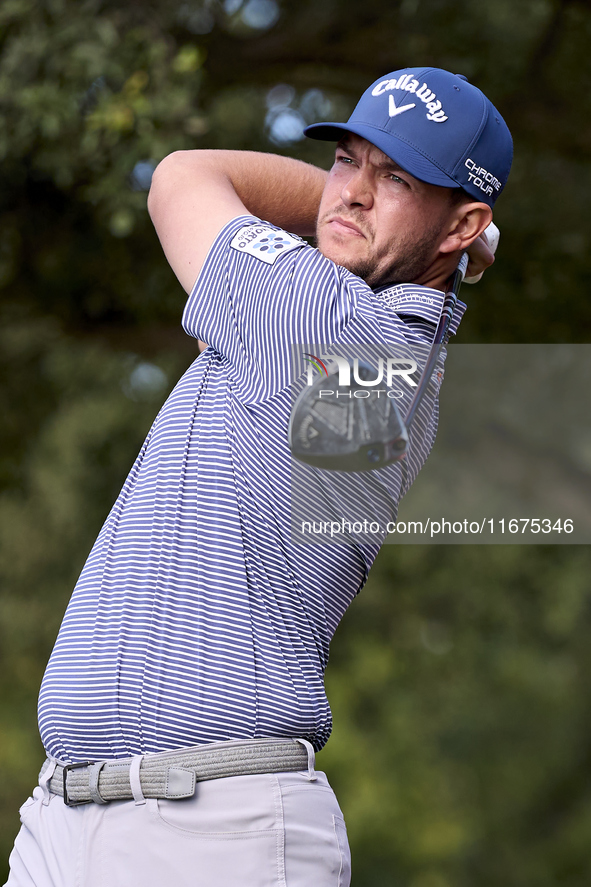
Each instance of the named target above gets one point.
<point>260,291</point>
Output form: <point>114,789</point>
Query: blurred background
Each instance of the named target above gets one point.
<point>460,679</point>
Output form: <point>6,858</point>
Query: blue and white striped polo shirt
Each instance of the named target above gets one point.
<point>196,617</point>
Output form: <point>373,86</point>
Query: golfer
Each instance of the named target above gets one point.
<point>184,698</point>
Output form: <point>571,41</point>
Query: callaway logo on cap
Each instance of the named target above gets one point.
<point>435,125</point>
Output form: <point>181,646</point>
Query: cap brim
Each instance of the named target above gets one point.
<point>405,155</point>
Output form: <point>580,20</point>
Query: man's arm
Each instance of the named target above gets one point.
<point>195,193</point>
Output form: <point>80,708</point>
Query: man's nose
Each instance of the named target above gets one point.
<point>358,190</point>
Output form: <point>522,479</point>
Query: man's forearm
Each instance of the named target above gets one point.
<point>278,189</point>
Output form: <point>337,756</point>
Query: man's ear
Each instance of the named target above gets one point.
<point>467,224</point>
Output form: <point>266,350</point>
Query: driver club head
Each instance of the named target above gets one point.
<point>346,428</point>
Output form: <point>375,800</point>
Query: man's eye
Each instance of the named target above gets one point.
<point>395,178</point>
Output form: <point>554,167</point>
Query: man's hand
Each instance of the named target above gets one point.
<point>481,253</point>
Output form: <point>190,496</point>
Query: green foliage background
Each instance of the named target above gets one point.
<point>460,677</point>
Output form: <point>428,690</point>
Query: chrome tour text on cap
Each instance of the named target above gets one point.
<point>435,125</point>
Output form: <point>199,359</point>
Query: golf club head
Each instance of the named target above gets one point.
<point>346,428</point>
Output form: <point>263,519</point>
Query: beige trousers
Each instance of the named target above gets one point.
<point>275,830</point>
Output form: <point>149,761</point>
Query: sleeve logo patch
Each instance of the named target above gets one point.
<point>267,244</point>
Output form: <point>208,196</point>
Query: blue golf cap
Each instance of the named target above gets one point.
<point>435,125</point>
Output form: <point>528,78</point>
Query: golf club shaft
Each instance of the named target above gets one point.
<point>449,304</point>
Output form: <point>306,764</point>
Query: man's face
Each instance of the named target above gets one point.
<point>379,221</point>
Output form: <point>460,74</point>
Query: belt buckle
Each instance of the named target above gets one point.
<point>67,801</point>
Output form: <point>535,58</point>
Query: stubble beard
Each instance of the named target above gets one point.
<point>413,259</point>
